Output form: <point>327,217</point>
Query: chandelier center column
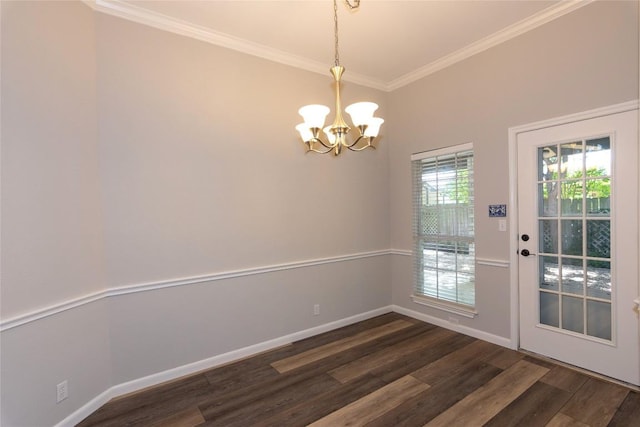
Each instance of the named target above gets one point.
<point>339,124</point>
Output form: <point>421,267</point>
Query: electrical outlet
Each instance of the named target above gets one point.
<point>316,309</point>
<point>62,391</point>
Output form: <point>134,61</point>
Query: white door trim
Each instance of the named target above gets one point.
<point>513,196</point>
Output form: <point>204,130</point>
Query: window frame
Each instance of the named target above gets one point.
<point>419,297</point>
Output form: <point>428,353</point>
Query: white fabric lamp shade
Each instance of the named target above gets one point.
<point>374,127</point>
<point>314,115</point>
<point>305,132</point>
<point>361,112</point>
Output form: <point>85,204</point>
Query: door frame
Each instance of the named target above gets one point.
<point>513,197</point>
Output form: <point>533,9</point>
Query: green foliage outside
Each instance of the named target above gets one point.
<point>572,188</point>
<point>457,190</point>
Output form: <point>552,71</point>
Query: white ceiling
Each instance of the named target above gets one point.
<point>384,44</point>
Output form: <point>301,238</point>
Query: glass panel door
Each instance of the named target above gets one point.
<point>577,267</point>
<point>574,208</point>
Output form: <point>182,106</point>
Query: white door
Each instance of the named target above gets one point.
<point>578,243</point>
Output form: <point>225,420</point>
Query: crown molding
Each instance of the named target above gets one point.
<point>177,26</point>
<point>506,34</point>
<point>160,21</point>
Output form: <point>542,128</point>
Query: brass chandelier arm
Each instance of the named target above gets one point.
<point>324,144</point>
<point>369,140</point>
<point>369,145</point>
<point>310,147</point>
<point>362,129</point>
<point>354,143</point>
<point>336,148</point>
<point>331,147</point>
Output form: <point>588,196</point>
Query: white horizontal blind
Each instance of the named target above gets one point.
<point>443,225</point>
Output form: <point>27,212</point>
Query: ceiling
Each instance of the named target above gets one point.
<point>383,44</point>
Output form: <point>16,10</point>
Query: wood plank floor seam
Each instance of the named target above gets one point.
<point>326,350</point>
<point>373,405</point>
<point>388,371</point>
<point>362,366</point>
<point>483,404</point>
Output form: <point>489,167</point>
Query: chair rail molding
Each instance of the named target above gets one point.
<point>70,304</point>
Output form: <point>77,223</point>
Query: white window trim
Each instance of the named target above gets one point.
<point>443,305</point>
<point>439,152</point>
<point>449,307</point>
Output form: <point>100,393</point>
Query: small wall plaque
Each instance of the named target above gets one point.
<point>497,210</point>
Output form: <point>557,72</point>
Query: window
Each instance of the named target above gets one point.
<point>443,228</point>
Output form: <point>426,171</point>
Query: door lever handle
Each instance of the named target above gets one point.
<point>525,252</point>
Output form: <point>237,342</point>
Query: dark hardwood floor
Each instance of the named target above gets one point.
<point>387,371</point>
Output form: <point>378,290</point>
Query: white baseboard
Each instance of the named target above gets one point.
<point>494,339</point>
<point>209,363</point>
<point>87,409</point>
<point>221,359</point>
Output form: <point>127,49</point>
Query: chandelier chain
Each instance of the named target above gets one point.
<point>352,6</point>
<point>335,31</point>
<point>355,4</point>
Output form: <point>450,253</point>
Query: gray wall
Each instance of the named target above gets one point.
<point>202,169</point>
<point>51,213</point>
<point>134,158</point>
<point>202,173</point>
<point>584,60</point>
<point>52,246</point>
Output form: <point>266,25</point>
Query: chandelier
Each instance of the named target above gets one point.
<point>336,135</point>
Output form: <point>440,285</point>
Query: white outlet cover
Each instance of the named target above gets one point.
<point>62,391</point>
